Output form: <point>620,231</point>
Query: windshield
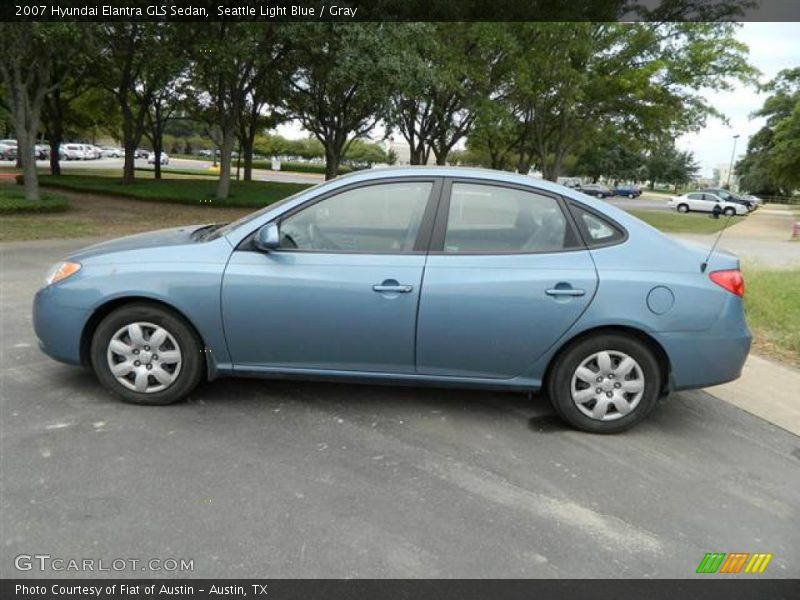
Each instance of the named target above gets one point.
<point>226,229</point>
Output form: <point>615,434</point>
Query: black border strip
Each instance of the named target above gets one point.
<point>427,589</point>
<point>402,10</point>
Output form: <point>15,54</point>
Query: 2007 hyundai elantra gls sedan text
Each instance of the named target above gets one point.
<point>445,276</point>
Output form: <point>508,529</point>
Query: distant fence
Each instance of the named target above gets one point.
<point>782,199</point>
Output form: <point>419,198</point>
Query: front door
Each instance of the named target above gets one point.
<point>508,278</point>
<point>341,292</point>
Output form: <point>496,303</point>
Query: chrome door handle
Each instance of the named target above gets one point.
<point>397,289</point>
<point>565,292</point>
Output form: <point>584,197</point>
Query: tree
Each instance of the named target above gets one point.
<point>28,69</point>
<point>772,162</point>
<point>132,55</point>
<point>667,164</point>
<point>231,65</point>
<point>342,81</point>
<point>568,81</point>
<point>452,69</point>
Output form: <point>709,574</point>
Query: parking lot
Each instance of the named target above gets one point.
<point>288,479</point>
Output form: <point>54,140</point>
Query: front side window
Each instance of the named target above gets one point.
<point>492,219</point>
<point>376,218</point>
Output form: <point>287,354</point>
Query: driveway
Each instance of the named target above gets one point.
<point>761,239</point>
<point>287,479</point>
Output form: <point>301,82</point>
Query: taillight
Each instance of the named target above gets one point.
<point>730,279</point>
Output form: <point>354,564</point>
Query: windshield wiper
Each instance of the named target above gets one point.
<point>205,232</point>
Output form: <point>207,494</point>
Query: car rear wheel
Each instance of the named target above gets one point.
<point>729,212</point>
<point>605,384</point>
<point>631,196</point>
<point>146,354</point>
<point>683,208</point>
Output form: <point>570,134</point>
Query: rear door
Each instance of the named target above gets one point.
<point>505,278</point>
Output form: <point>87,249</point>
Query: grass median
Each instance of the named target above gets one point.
<point>772,305</point>
<point>13,202</point>
<point>674,222</point>
<point>196,192</point>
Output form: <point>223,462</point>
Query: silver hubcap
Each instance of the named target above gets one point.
<point>144,357</point>
<point>607,385</point>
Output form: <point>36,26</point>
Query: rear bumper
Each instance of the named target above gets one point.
<point>58,327</point>
<point>702,359</point>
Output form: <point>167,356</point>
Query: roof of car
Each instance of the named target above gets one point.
<point>468,172</point>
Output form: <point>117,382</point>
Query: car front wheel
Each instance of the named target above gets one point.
<point>729,212</point>
<point>683,208</point>
<point>146,354</point>
<point>605,384</point>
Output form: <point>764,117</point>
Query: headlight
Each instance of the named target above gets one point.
<point>61,271</point>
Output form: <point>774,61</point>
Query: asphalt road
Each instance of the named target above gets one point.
<point>284,479</point>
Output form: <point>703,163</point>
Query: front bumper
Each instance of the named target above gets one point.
<point>59,328</point>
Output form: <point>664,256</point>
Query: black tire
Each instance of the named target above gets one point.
<point>683,208</point>
<point>729,212</point>
<point>560,381</point>
<point>192,363</point>
<point>631,196</point>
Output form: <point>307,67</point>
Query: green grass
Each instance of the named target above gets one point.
<point>12,201</point>
<point>249,194</point>
<point>772,305</point>
<point>24,227</point>
<point>673,222</point>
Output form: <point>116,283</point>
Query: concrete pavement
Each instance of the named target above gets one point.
<point>290,479</point>
<point>761,239</point>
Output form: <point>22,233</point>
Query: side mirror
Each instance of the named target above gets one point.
<point>268,237</point>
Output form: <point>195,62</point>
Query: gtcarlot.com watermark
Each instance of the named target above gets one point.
<point>46,562</point>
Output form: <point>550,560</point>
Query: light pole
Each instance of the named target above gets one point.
<point>730,168</point>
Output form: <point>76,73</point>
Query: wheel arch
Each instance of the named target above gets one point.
<point>105,309</point>
<point>664,365</point>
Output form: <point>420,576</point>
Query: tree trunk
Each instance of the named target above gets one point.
<point>128,172</point>
<point>332,159</point>
<point>226,148</point>
<point>26,140</point>
<point>55,150</point>
<point>247,150</point>
<point>157,149</point>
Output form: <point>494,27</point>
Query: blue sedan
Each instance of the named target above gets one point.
<point>446,276</point>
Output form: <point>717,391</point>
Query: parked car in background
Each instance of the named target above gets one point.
<point>151,158</point>
<point>596,189</point>
<point>8,149</point>
<point>755,199</point>
<point>408,276</point>
<point>112,152</point>
<point>141,153</point>
<point>42,151</point>
<point>570,182</point>
<point>731,197</point>
<point>73,152</point>
<point>629,191</point>
<point>705,202</point>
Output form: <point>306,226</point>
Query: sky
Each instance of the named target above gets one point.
<point>773,47</point>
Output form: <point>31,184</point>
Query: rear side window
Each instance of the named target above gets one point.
<point>489,219</point>
<point>596,230</point>
<point>695,196</point>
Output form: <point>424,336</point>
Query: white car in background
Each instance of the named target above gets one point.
<point>151,158</point>
<point>73,152</point>
<point>755,199</point>
<point>112,152</point>
<point>705,202</point>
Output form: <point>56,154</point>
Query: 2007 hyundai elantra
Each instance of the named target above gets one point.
<point>447,276</point>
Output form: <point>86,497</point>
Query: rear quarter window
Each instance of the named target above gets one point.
<point>596,230</point>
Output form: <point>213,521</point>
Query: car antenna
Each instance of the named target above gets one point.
<point>715,215</point>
